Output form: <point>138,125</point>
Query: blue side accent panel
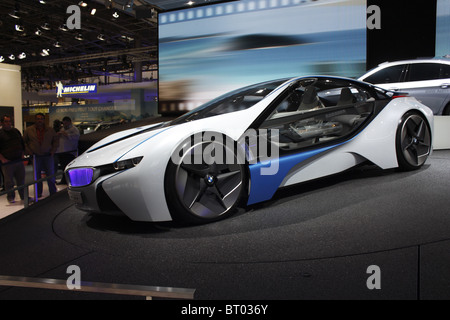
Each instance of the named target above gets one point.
<point>263,187</point>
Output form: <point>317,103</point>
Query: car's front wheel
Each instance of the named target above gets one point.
<point>413,141</point>
<point>201,190</point>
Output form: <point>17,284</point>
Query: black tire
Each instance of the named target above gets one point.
<point>413,141</point>
<point>198,193</point>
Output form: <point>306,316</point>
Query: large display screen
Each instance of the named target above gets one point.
<point>207,51</point>
<point>443,28</point>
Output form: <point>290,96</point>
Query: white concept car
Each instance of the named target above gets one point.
<point>240,148</point>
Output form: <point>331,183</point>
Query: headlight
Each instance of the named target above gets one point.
<point>80,177</point>
<point>127,164</point>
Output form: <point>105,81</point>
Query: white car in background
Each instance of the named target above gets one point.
<point>428,80</point>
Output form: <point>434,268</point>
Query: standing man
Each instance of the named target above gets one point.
<point>42,141</point>
<point>11,155</point>
<point>68,145</point>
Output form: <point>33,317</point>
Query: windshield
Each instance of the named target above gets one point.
<point>237,100</point>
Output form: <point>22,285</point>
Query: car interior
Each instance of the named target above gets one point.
<point>315,114</point>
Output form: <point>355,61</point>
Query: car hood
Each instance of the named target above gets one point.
<point>115,146</point>
<point>123,135</point>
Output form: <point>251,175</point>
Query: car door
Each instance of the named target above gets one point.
<point>425,82</point>
<point>313,116</point>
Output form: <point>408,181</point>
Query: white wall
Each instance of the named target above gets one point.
<point>441,132</point>
<point>11,91</point>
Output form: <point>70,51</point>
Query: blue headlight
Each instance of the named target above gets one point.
<point>80,177</point>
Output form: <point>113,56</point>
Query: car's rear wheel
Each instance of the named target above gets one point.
<point>413,141</point>
<point>200,190</point>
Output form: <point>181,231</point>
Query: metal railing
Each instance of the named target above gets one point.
<point>26,185</point>
<point>149,292</point>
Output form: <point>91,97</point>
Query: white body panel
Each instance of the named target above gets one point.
<point>377,143</point>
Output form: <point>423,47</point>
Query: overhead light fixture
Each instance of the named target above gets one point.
<point>190,3</point>
<point>83,4</point>
<point>127,38</point>
<point>79,37</point>
<point>2,59</point>
<point>42,2</point>
<point>38,32</point>
<point>115,15</point>
<point>20,28</point>
<point>46,26</point>
<point>45,52</point>
<point>22,56</point>
<point>12,57</point>
<point>93,11</point>
<point>64,27</point>
<point>101,37</point>
<point>14,14</point>
<point>57,44</point>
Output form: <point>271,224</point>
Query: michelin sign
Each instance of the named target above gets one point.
<point>75,89</point>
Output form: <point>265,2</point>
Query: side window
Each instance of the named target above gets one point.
<point>424,71</point>
<point>387,75</point>
<point>298,101</point>
<point>445,71</point>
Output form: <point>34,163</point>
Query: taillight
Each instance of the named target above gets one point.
<point>400,95</point>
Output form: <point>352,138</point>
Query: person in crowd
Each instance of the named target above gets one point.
<point>11,154</point>
<point>69,136</point>
<point>57,125</point>
<point>42,141</point>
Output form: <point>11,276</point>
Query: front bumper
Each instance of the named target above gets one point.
<point>93,198</point>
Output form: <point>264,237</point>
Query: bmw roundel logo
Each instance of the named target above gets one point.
<point>209,180</point>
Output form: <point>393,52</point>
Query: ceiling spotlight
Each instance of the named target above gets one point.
<point>79,37</point>
<point>2,59</point>
<point>93,11</point>
<point>83,4</point>
<point>190,3</point>
<point>20,28</point>
<point>46,26</point>
<point>38,32</point>
<point>12,57</point>
<point>42,2</point>
<point>57,44</point>
<point>45,52</point>
<point>14,14</point>
<point>63,27</point>
<point>115,15</point>
<point>22,56</point>
<point>101,37</point>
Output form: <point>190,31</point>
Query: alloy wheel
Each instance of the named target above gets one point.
<point>415,140</point>
<point>208,190</point>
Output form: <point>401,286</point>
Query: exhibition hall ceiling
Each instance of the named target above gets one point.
<point>115,36</point>
<point>166,5</point>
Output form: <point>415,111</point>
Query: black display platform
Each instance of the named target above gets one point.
<point>312,241</point>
